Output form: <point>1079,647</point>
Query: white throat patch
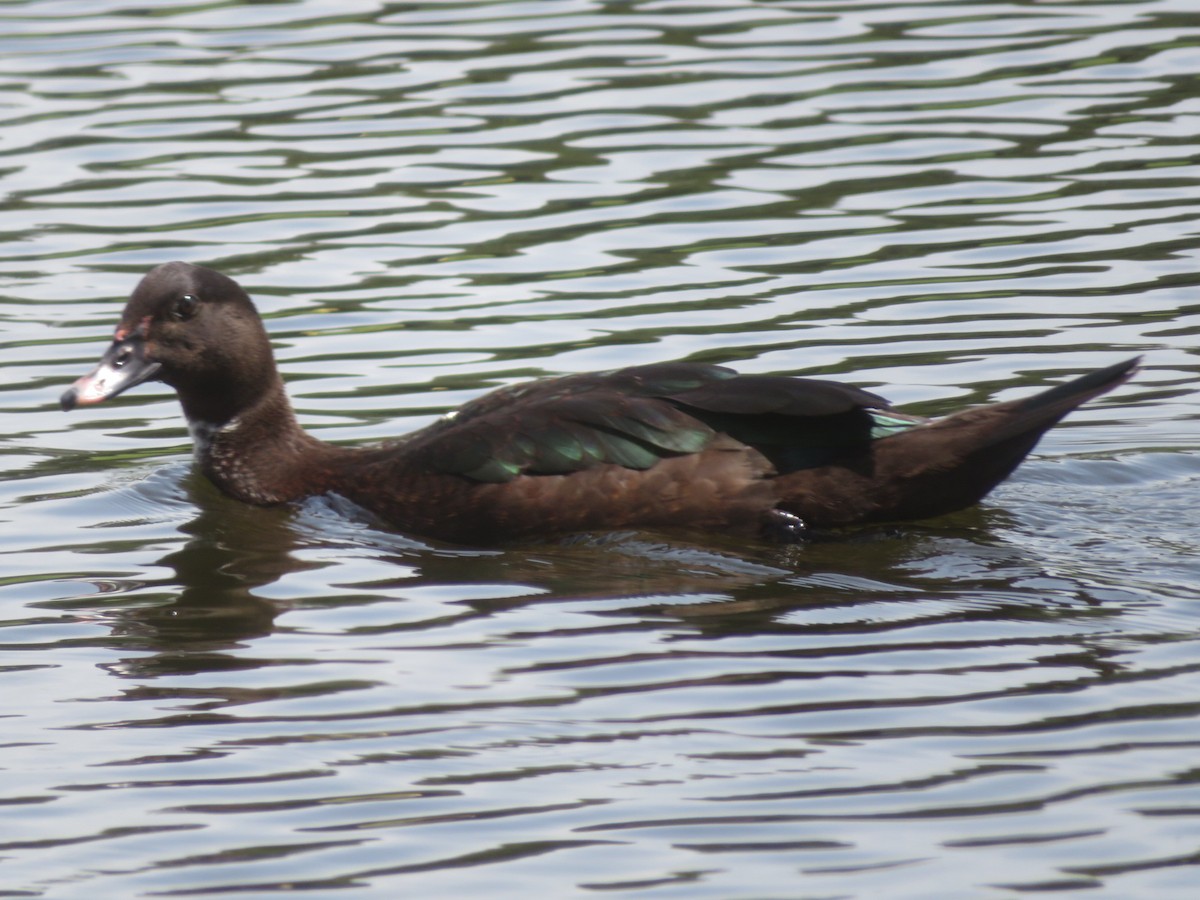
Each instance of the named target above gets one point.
<point>203,434</point>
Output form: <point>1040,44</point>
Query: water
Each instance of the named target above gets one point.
<point>947,203</point>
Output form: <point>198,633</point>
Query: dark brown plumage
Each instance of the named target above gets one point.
<point>669,445</point>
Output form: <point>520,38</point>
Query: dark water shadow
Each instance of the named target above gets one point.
<point>218,599</point>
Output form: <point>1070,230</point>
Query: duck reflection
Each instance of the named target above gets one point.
<point>210,600</point>
<point>220,593</point>
<point>234,552</point>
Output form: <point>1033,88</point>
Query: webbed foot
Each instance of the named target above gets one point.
<point>784,528</point>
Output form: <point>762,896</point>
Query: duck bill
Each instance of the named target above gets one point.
<point>121,367</point>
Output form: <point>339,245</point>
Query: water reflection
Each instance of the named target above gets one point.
<point>208,602</point>
<point>214,597</point>
<point>223,588</point>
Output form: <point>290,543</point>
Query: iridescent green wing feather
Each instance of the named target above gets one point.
<point>569,424</point>
<point>635,417</point>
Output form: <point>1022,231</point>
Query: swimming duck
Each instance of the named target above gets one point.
<point>655,446</point>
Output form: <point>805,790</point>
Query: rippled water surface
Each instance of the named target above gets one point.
<point>947,203</point>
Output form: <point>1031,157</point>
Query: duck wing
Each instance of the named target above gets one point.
<point>637,416</point>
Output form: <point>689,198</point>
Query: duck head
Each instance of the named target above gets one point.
<point>193,329</point>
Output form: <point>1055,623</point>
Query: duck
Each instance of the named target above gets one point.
<point>673,445</point>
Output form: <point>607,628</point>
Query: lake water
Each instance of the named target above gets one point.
<point>947,203</point>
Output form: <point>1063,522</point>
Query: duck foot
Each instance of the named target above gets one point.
<point>784,528</point>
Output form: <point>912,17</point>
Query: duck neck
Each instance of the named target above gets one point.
<point>261,455</point>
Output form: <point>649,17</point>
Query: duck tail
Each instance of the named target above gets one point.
<point>941,466</point>
<point>1038,413</point>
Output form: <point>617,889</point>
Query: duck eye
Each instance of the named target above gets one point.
<point>184,307</point>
